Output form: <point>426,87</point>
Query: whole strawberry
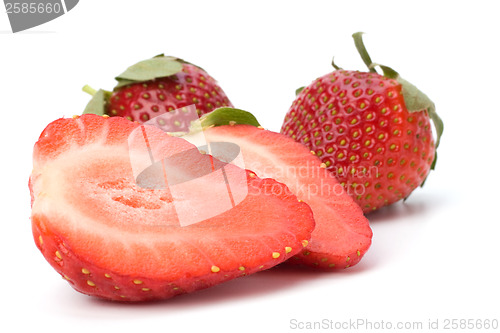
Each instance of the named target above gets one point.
<point>155,86</point>
<point>372,131</point>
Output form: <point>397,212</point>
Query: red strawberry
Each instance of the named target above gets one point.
<point>372,131</point>
<point>155,86</point>
<point>342,234</point>
<point>111,238</point>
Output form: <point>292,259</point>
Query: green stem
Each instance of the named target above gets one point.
<point>360,46</point>
<point>89,90</point>
<point>334,65</point>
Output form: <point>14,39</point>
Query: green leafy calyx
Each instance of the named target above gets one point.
<point>228,116</point>
<point>415,99</point>
<point>97,105</point>
<point>150,69</point>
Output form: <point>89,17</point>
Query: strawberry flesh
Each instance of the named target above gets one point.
<point>342,234</point>
<point>110,238</point>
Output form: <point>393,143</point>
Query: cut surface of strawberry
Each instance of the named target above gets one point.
<point>111,238</point>
<point>342,234</point>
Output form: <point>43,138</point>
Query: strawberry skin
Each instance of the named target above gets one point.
<point>358,125</point>
<point>379,145</point>
<point>155,86</point>
<point>112,239</point>
<point>145,100</point>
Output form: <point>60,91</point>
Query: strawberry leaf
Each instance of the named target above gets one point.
<point>228,116</point>
<point>416,101</point>
<point>123,83</point>
<point>150,69</point>
<point>97,105</point>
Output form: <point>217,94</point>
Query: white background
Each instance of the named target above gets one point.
<point>434,257</point>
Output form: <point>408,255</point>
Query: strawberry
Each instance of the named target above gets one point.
<point>155,86</point>
<point>372,131</point>
<point>112,238</point>
<point>342,234</point>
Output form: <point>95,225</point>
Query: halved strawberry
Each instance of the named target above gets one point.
<point>342,234</point>
<point>111,238</point>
